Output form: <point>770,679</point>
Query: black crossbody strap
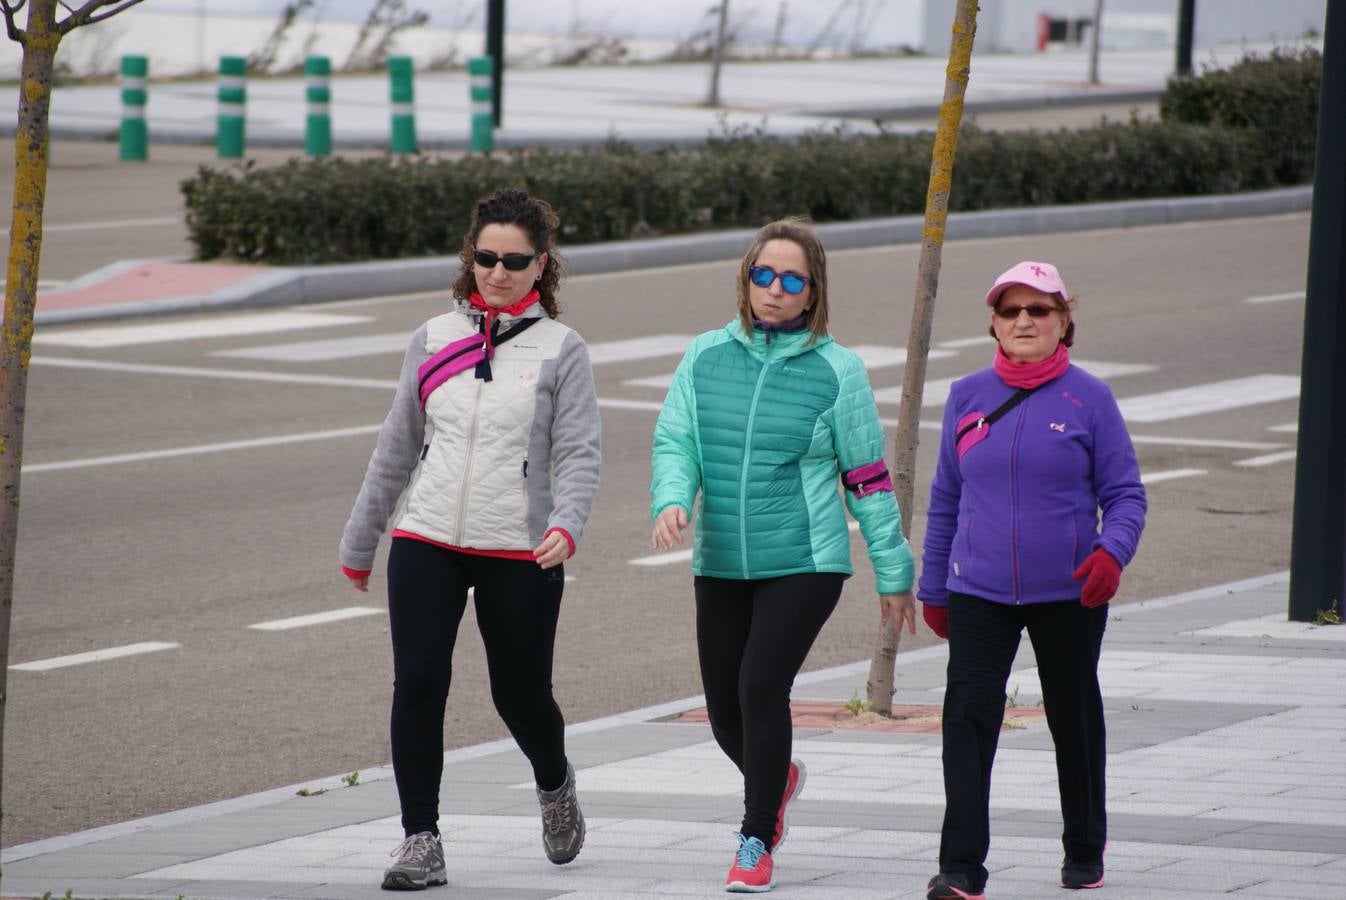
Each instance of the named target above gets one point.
<point>1014,400</point>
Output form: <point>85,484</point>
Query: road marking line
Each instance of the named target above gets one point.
<point>873,356</point>
<point>396,342</point>
<point>1169,475</point>
<point>936,392</point>
<point>143,456</point>
<point>116,223</point>
<point>79,659</point>
<point>678,556</point>
<point>1292,428</point>
<point>619,403</point>
<point>333,615</point>
<point>1276,298</point>
<point>223,326</point>
<point>319,351</point>
<point>639,348</point>
<point>960,343</point>
<point>1208,398</point>
<point>878,356</point>
<point>227,374</point>
<point>1269,459</point>
<point>1203,442</point>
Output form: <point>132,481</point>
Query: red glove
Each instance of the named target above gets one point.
<point>937,617</point>
<point>1101,575</point>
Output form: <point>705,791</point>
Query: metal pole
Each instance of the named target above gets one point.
<point>479,94</point>
<point>1318,538</point>
<point>318,93</point>
<point>1094,29</point>
<point>1186,27</point>
<point>232,98</point>
<point>134,142</point>
<point>403,136</point>
<point>495,49</point>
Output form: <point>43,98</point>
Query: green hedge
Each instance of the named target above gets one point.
<point>1274,97</point>
<point>1212,138</point>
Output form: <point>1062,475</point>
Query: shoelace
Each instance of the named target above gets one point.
<point>415,845</point>
<point>556,813</point>
<point>750,852</point>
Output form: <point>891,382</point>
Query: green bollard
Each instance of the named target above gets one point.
<point>134,134</point>
<point>233,94</point>
<point>318,131</point>
<point>483,115</point>
<point>403,137</point>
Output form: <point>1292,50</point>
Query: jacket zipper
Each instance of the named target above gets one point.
<point>743,478</point>
<point>458,537</point>
<point>1014,505</point>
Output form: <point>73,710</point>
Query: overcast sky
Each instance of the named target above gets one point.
<point>880,23</point>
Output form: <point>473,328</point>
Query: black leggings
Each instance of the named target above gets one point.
<point>752,638</point>
<point>983,639</point>
<point>517,604</point>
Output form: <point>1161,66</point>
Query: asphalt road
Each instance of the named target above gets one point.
<point>191,549</point>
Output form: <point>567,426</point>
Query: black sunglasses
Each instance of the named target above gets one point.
<point>1036,310</point>
<point>514,262</point>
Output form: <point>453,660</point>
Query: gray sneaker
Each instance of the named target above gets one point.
<point>420,864</point>
<point>562,821</point>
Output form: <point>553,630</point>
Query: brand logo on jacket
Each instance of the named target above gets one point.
<point>1057,426</point>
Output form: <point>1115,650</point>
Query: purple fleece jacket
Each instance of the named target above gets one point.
<point>1013,517</point>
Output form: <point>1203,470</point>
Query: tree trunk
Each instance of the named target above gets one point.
<point>717,55</point>
<point>25,248</point>
<point>880,684</point>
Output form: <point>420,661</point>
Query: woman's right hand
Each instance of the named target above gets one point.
<point>360,584</point>
<point>668,528</point>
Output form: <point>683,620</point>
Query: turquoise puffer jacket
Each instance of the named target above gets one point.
<point>763,431</point>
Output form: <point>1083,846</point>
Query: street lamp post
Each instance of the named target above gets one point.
<point>1318,535</point>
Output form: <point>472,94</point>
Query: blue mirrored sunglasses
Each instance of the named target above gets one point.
<point>762,276</point>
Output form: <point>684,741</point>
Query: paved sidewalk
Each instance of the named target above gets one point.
<point>1227,727</point>
<point>641,104</point>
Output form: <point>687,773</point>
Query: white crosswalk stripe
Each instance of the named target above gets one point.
<point>192,329</point>
<point>1202,399</point>
<point>936,391</point>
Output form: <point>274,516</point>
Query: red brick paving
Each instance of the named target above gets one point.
<point>148,281</point>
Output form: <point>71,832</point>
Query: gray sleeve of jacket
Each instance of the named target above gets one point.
<point>576,444</point>
<point>390,467</point>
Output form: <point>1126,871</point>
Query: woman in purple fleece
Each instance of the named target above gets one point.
<point>1032,450</point>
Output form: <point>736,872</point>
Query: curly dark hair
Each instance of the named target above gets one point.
<point>537,219</point>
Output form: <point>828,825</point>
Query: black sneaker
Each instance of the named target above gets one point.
<point>1077,875</point>
<point>953,886</point>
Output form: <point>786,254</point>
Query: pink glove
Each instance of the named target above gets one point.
<point>937,617</point>
<point>1101,575</point>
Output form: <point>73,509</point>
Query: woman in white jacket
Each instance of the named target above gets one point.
<point>493,444</point>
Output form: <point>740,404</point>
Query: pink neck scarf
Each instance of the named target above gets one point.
<point>1030,375</point>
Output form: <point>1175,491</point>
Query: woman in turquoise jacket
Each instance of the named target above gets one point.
<point>763,416</point>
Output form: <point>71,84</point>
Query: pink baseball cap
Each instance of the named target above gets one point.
<point>1040,275</point>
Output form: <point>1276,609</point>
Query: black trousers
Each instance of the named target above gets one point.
<point>517,605</point>
<point>983,639</point>
<point>752,638</point>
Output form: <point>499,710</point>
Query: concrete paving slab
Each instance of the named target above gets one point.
<point>1229,805</point>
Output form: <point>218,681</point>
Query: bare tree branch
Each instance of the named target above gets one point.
<point>87,14</point>
<point>11,10</point>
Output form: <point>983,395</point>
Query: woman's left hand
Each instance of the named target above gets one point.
<point>553,550</point>
<point>901,608</point>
